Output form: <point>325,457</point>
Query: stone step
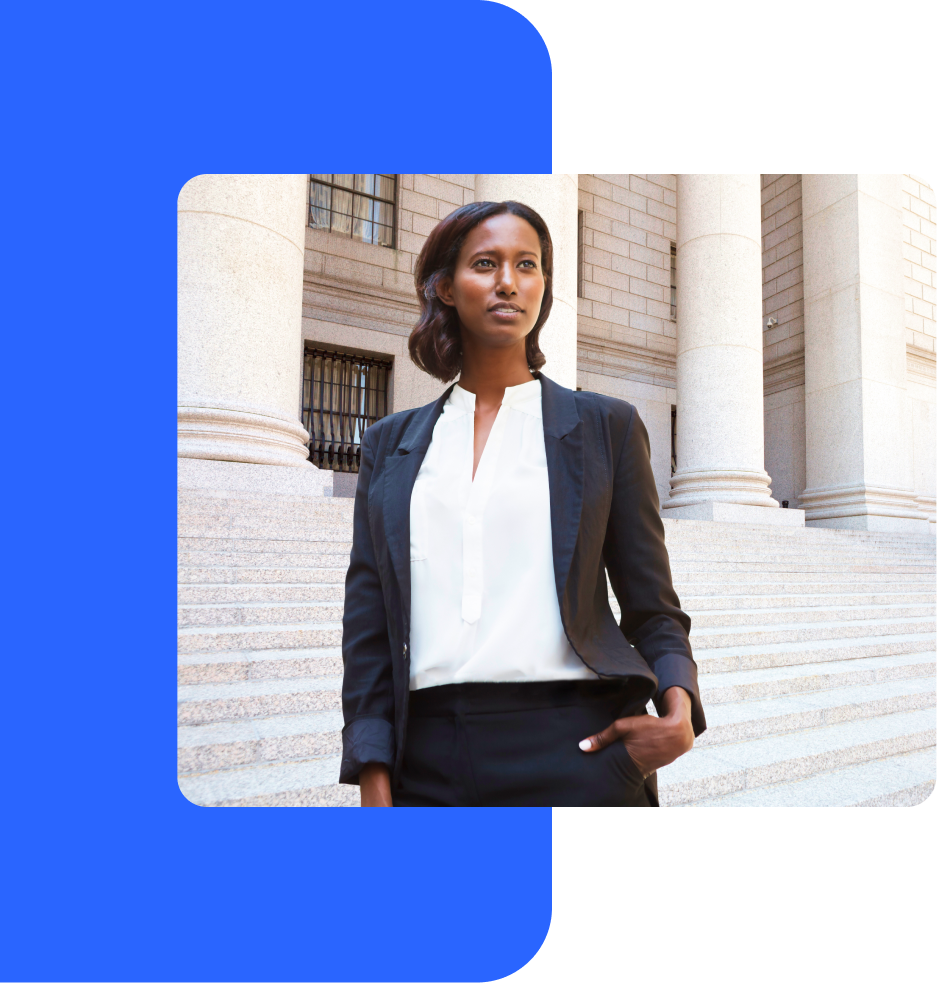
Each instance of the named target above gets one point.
<point>719,551</point>
<point>703,639</point>
<point>316,795</point>
<point>262,575</point>
<point>769,656</point>
<point>229,667</point>
<point>720,538</point>
<point>213,747</point>
<point>800,593</point>
<point>798,580</point>
<point>244,786</point>
<point>309,635</point>
<point>208,703</point>
<point>744,721</point>
<point>326,509</point>
<point>723,769</point>
<point>760,684</point>
<point>299,532</point>
<point>259,613</point>
<point>244,593</point>
<point>312,548</point>
<point>899,780</point>
<point>206,558</point>
<point>694,604</point>
<point>684,567</point>
<point>811,615</point>
<point>697,530</point>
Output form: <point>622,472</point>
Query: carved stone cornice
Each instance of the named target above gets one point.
<point>922,365</point>
<point>623,361</point>
<point>360,305</point>
<point>785,372</point>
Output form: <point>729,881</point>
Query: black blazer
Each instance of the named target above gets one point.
<point>604,516</point>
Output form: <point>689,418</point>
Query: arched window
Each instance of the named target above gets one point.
<point>360,206</point>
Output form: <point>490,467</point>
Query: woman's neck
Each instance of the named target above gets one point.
<point>487,372</point>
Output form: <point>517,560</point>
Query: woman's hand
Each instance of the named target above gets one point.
<point>651,742</point>
<point>375,786</point>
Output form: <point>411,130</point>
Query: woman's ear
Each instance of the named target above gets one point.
<point>444,291</point>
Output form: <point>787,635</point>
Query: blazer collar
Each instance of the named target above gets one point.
<point>420,432</point>
<point>560,415</point>
<point>563,443</point>
<point>400,473</point>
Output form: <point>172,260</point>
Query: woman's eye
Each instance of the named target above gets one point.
<point>484,261</point>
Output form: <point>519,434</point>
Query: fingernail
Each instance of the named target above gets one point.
<point>585,745</point>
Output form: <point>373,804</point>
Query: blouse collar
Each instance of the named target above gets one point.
<point>513,395</point>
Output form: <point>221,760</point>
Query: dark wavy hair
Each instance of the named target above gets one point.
<point>436,341</point>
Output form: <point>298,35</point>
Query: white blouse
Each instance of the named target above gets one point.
<point>483,592</point>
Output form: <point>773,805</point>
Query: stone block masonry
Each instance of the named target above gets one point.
<point>920,279</point>
<point>920,263</point>
<point>626,336</point>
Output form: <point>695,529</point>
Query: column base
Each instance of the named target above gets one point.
<point>698,486</point>
<point>226,479</point>
<point>928,508</point>
<point>729,512</point>
<point>247,435</point>
<point>870,508</point>
<point>875,523</point>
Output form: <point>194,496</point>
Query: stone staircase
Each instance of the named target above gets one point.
<point>816,650</point>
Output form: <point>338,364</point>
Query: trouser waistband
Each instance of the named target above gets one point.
<point>628,696</point>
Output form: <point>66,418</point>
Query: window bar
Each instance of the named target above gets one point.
<point>344,406</point>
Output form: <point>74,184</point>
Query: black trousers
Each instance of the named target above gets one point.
<point>517,744</point>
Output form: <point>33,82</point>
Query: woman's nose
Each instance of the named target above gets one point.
<point>506,282</point>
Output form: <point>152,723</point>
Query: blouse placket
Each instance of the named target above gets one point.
<point>472,519</point>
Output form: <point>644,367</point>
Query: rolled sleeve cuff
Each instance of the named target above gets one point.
<point>366,741</point>
<point>678,670</point>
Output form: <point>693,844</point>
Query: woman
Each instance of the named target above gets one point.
<point>483,664</point>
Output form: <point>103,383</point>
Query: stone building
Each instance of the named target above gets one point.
<point>775,332</point>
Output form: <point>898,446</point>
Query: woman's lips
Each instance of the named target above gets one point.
<point>505,313</point>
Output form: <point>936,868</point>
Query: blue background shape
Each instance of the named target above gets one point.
<point>110,873</point>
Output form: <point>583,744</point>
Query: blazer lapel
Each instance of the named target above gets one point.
<point>562,438</point>
<point>400,471</point>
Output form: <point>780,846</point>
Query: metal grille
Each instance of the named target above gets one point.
<point>343,394</point>
<point>673,281</point>
<point>673,441</point>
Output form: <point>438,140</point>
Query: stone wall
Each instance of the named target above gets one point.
<point>920,233</point>
<point>626,336</point>
<point>783,300</point>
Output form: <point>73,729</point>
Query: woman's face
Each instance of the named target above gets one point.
<point>498,285</point>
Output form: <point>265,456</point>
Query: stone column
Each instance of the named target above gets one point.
<point>556,198</point>
<point>241,245</point>
<point>858,427</point>
<point>720,414</point>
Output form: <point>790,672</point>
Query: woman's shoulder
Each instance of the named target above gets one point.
<point>616,413</point>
